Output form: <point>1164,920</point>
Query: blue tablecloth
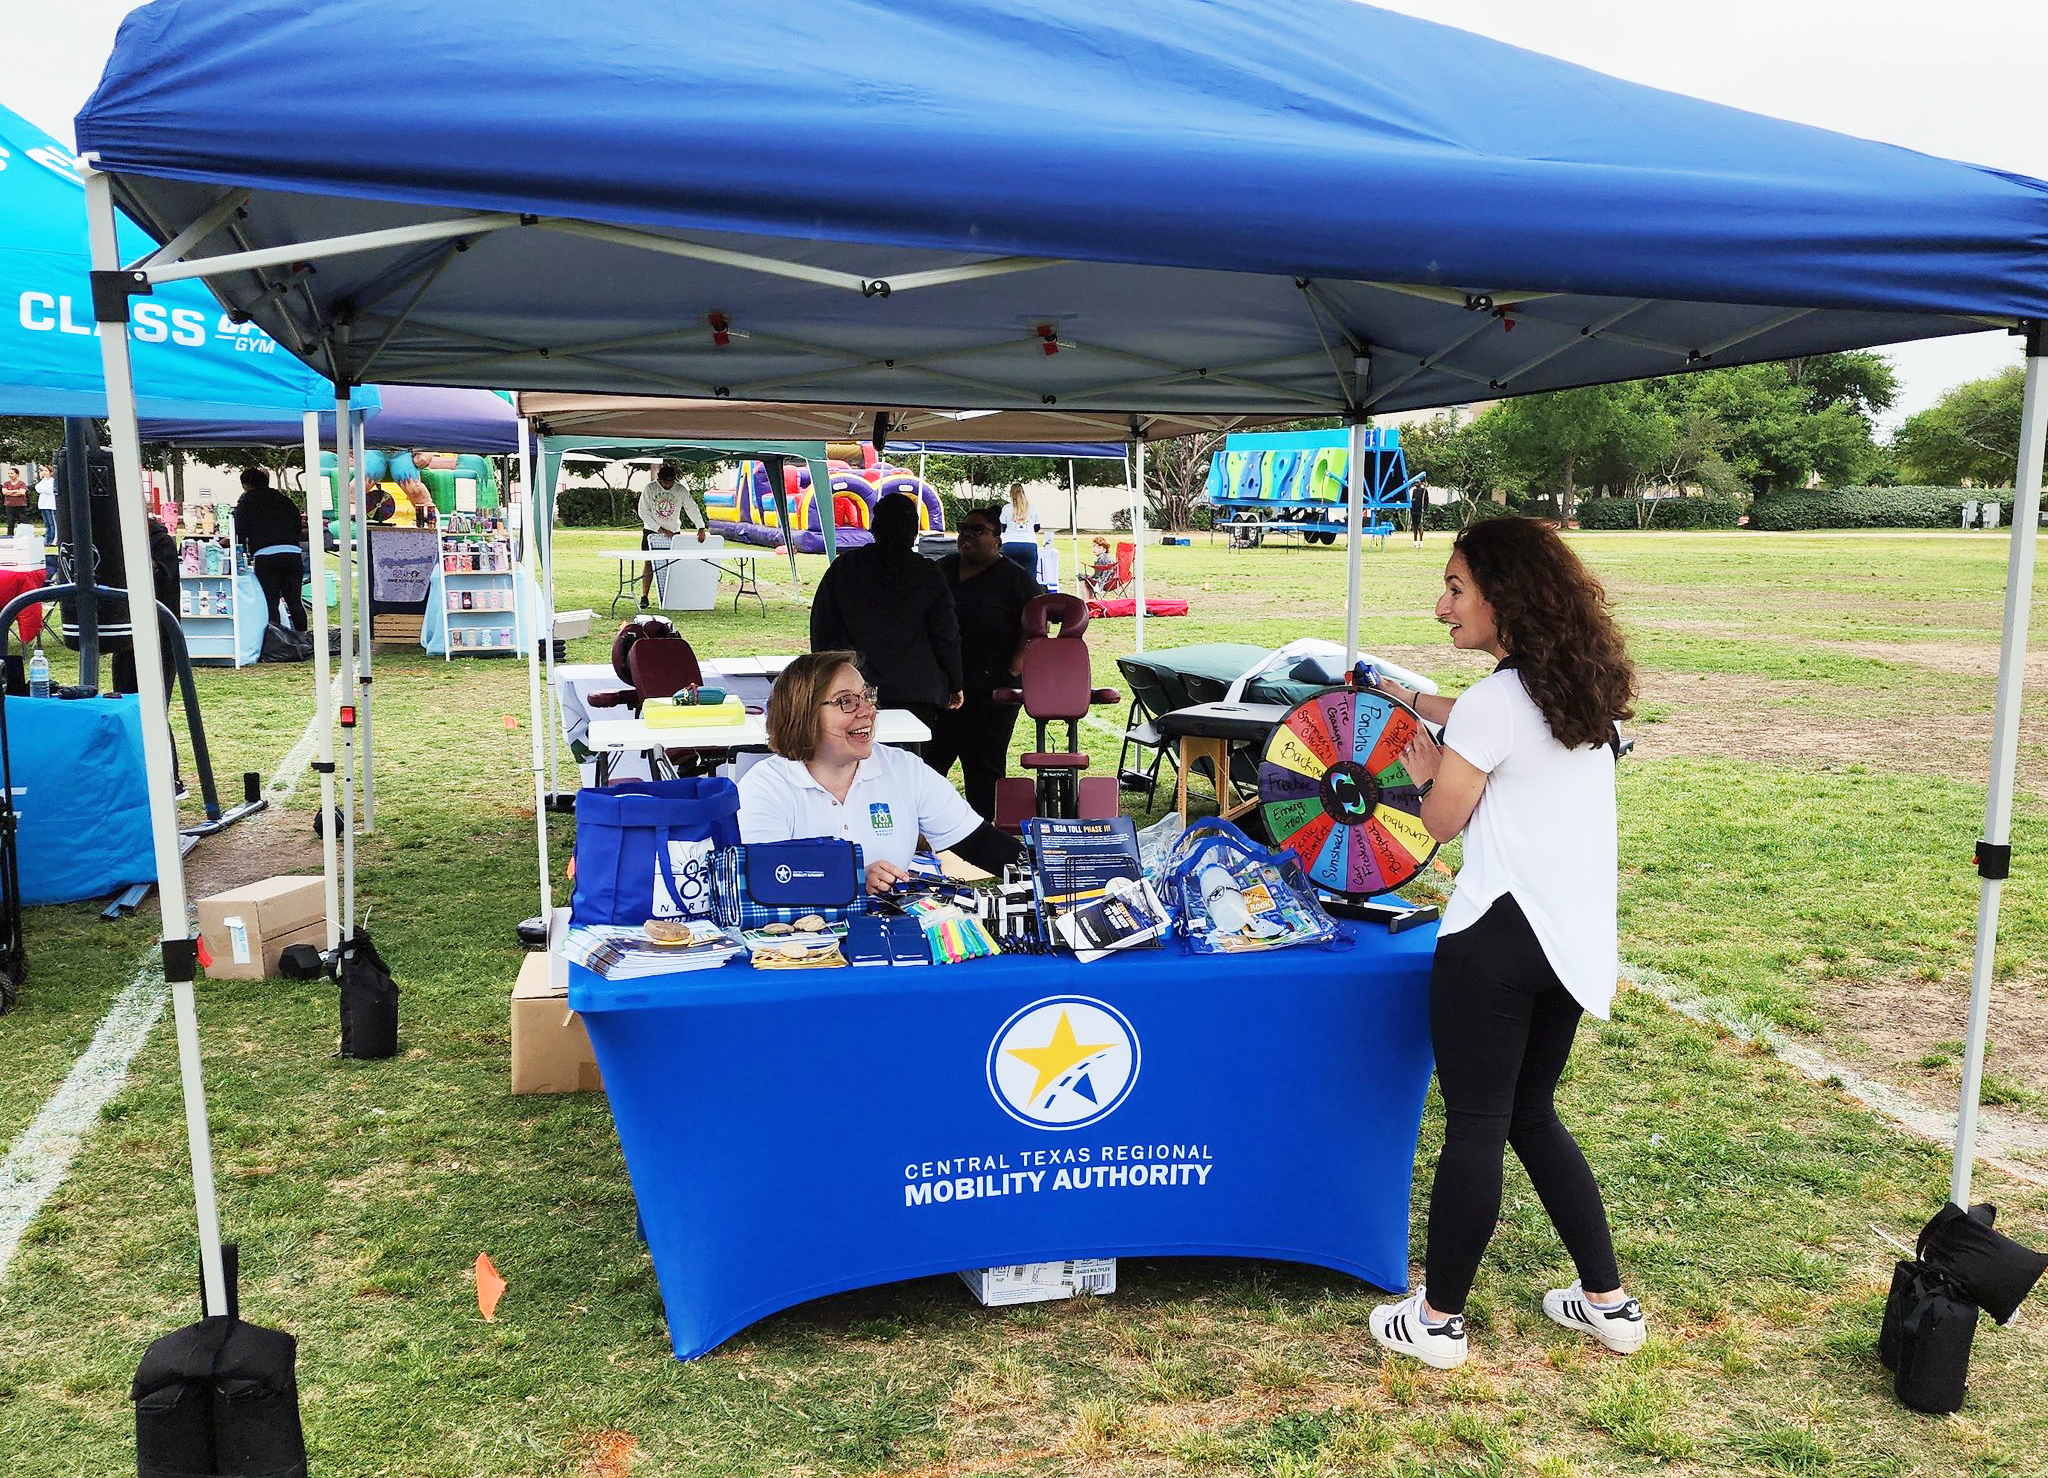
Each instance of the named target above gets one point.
<point>76,768</point>
<point>795,1134</point>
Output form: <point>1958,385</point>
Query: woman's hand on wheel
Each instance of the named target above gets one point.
<point>1422,756</point>
<point>882,876</point>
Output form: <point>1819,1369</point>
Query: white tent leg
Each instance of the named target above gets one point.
<point>323,692</point>
<point>2005,732</point>
<point>536,644</point>
<point>363,574</point>
<point>1074,524</point>
<point>544,545</point>
<point>180,959</point>
<point>1138,533</point>
<point>1354,524</point>
<point>346,470</point>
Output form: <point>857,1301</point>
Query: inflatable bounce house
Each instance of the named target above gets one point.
<point>416,489</point>
<point>1293,482</point>
<point>752,508</point>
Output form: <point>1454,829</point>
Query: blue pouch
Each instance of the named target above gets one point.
<point>645,849</point>
<point>766,883</point>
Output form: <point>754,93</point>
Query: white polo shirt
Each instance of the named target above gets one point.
<point>894,796</point>
<point>1544,830</point>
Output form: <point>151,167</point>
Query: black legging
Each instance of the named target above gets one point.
<point>1502,1025</point>
<point>282,576</point>
<point>977,734</point>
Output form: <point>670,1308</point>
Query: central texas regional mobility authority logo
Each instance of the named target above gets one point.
<point>1063,1062</point>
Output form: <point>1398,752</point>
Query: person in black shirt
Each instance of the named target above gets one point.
<point>891,605</point>
<point>271,529</point>
<point>989,593</point>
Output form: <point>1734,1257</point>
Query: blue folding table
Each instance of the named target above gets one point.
<point>792,1134</point>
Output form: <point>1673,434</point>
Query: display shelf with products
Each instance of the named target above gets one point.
<point>212,609</point>
<point>479,599</point>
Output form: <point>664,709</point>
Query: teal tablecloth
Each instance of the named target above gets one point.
<point>1224,662</point>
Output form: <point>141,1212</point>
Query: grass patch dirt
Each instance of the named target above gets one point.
<point>1796,840</point>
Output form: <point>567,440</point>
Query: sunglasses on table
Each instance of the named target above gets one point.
<point>851,703</point>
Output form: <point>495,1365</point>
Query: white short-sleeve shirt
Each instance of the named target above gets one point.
<point>1544,831</point>
<point>894,796</point>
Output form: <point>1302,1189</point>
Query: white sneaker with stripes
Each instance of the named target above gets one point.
<point>1399,1327</point>
<point>1621,1327</point>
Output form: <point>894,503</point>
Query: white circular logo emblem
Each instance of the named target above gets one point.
<point>1063,1062</point>
<point>782,873</point>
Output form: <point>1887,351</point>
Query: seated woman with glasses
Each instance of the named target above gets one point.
<point>828,778</point>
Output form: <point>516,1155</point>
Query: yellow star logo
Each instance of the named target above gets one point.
<point>1056,1056</point>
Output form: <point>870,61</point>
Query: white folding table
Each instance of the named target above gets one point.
<point>735,560</point>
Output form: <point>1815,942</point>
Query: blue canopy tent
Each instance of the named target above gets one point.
<point>436,417</point>
<point>192,360</point>
<point>194,364</point>
<point>1227,208</point>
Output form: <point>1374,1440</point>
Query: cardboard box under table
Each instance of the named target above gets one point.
<point>797,1133</point>
<point>246,929</point>
<point>550,1049</point>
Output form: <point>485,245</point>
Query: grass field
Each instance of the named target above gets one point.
<point>1797,827</point>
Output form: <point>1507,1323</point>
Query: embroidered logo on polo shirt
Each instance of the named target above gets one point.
<point>879,819</point>
<point>1063,1062</point>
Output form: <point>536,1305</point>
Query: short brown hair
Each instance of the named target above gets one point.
<point>798,694</point>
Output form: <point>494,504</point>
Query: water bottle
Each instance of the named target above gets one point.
<point>38,675</point>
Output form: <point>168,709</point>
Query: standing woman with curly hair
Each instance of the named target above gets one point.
<point>1528,944</point>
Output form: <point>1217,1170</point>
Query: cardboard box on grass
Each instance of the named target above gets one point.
<point>247,928</point>
<point>1035,1282</point>
<point>550,1048</point>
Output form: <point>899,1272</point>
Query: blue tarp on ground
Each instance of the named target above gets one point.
<point>1218,198</point>
<point>190,359</point>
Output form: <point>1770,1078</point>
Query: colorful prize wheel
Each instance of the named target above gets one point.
<point>1333,791</point>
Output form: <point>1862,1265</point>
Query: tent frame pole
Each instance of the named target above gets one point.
<point>537,646</point>
<point>180,956</point>
<point>1354,535</point>
<point>544,548</point>
<point>359,443</point>
<point>346,471</point>
<point>1994,851</point>
<point>317,503</point>
<point>1073,526</point>
<point>1138,529</point>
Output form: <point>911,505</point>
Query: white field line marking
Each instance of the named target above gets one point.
<point>292,768</point>
<point>37,1164</point>
<point>1998,1135</point>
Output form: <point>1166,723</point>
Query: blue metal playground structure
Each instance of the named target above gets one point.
<point>1293,482</point>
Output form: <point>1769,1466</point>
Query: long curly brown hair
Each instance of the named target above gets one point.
<point>1553,619</point>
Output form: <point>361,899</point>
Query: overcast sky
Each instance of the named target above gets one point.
<point>1953,77</point>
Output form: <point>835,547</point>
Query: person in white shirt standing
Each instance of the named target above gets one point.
<point>46,504</point>
<point>1529,942</point>
<point>663,503</point>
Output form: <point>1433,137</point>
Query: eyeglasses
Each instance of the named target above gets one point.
<point>973,528</point>
<point>851,703</point>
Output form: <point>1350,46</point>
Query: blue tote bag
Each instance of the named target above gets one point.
<point>645,848</point>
